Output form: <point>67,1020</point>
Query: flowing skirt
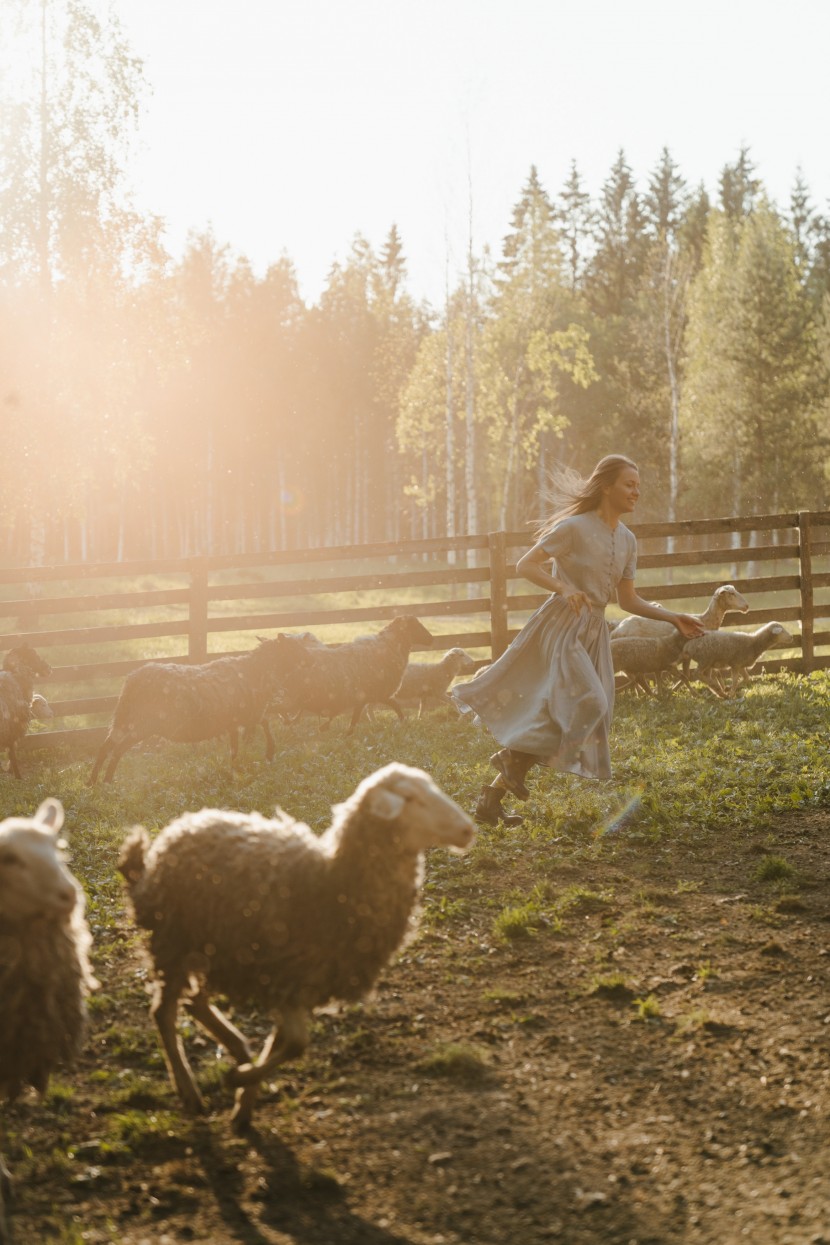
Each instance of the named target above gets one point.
<point>552,692</point>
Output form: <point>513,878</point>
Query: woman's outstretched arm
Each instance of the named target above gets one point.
<point>633,603</point>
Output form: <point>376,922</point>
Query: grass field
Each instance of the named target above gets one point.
<point>538,937</point>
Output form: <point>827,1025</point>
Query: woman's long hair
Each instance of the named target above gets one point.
<point>571,494</point>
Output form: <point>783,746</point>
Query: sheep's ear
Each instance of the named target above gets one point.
<point>50,815</point>
<point>385,804</point>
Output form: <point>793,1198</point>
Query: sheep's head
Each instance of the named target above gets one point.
<point>410,631</point>
<point>34,881</point>
<point>408,800</point>
<point>729,598</point>
<point>779,636</point>
<point>40,708</point>
<point>282,654</point>
<point>23,658</point>
<point>461,662</point>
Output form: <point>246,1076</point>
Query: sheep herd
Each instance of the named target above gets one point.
<point>645,648</point>
<point>259,910</point>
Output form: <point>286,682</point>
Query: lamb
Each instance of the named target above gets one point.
<point>266,912</point>
<point>641,656</point>
<point>346,677</point>
<point>21,666</point>
<point>41,709</point>
<point>190,703</point>
<point>45,975</point>
<point>423,681</point>
<point>736,651</point>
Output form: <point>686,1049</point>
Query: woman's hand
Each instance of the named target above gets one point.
<point>688,625</point>
<point>576,600</point>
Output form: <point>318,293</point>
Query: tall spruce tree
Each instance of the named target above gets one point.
<point>528,345</point>
<point>754,379</point>
<point>574,216</point>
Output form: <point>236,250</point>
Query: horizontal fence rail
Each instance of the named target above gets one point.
<point>96,623</point>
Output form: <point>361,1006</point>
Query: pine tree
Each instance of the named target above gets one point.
<point>754,380</point>
<point>574,217</point>
<point>528,345</point>
<point>739,188</point>
<point>619,233</point>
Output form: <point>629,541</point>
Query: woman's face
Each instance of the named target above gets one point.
<point>622,495</point>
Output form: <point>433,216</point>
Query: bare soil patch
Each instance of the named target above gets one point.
<point>651,1069</point>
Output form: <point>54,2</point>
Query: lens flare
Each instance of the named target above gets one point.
<point>292,501</point>
<point>622,818</point>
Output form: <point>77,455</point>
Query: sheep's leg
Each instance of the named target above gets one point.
<point>246,1095</point>
<point>737,678</point>
<point>683,672</point>
<point>5,1199</point>
<point>392,704</point>
<point>713,681</point>
<point>283,1043</point>
<point>15,768</point>
<point>201,1009</point>
<point>269,740</point>
<point>286,1041</point>
<point>117,750</point>
<point>164,1011</point>
<point>103,753</point>
<point>719,685</point>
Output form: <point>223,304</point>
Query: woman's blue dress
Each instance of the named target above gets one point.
<point>552,692</point>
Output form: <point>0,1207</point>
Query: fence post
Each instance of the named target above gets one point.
<point>805,559</point>
<point>198,610</point>
<point>497,545</point>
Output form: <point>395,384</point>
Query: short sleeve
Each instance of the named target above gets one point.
<point>630,568</point>
<point>559,541</point>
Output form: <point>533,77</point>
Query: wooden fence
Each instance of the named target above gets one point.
<point>465,581</point>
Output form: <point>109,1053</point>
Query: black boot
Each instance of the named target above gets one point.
<point>489,812</point>
<point>513,767</point>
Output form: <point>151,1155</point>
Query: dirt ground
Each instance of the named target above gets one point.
<point>651,1069</point>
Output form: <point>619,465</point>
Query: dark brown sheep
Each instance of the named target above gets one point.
<point>190,703</point>
<point>344,678</point>
<point>21,666</point>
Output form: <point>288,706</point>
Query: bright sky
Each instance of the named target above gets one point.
<point>291,125</point>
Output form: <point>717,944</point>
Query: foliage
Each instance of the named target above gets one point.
<point>169,409</point>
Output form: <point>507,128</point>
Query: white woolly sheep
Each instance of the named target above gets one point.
<point>44,967</point>
<point>21,666</point>
<point>345,678</point>
<point>190,703</point>
<point>424,681</point>
<point>640,657</point>
<point>41,709</point>
<point>266,912</point>
<point>723,599</point>
<point>736,651</point>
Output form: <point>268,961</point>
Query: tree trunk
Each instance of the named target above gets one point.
<point>471,495</point>
<point>674,400</point>
<point>449,429</point>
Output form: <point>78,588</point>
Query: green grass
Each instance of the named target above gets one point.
<point>700,767</point>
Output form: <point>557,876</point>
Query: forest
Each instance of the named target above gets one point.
<point>156,407</point>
